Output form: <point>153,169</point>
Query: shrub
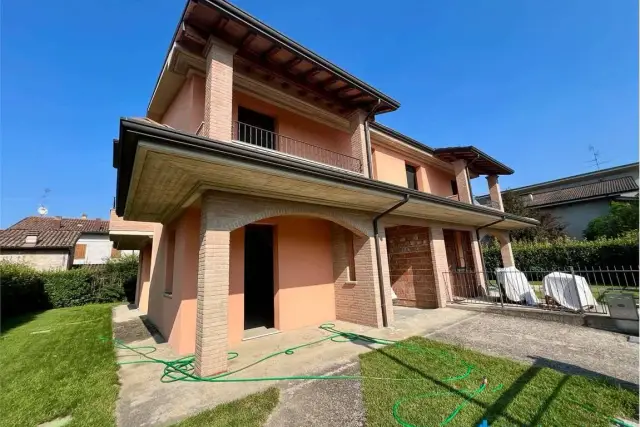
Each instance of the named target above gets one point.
<point>21,289</point>
<point>69,288</point>
<point>24,289</point>
<point>622,218</point>
<point>565,253</point>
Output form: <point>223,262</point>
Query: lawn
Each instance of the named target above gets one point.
<point>515,394</point>
<point>252,411</point>
<point>55,365</point>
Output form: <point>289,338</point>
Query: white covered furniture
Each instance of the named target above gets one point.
<point>516,286</point>
<point>561,287</point>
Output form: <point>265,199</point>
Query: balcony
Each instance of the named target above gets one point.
<point>265,139</point>
<point>129,234</point>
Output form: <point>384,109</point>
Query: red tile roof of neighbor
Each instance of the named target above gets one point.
<point>47,239</point>
<point>56,223</point>
<point>586,191</point>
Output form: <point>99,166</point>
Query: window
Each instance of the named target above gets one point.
<point>351,267</point>
<point>256,128</point>
<point>169,258</point>
<point>412,177</point>
<point>454,187</point>
<point>80,251</point>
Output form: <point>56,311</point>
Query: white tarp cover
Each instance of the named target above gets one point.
<point>560,287</point>
<point>516,286</point>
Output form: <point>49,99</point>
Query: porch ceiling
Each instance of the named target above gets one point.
<point>133,241</point>
<point>161,171</point>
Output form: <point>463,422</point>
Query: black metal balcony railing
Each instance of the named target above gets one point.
<point>273,141</point>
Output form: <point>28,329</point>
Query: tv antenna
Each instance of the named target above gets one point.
<point>596,157</point>
<point>42,210</point>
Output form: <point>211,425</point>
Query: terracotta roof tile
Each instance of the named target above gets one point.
<point>43,223</point>
<point>12,238</point>
<point>602,188</point>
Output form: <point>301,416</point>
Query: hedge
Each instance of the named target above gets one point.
<point>560,255</point>
<point>24,289</point>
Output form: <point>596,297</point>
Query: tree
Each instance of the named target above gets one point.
<point>622,218</point>
<point>550,228</point>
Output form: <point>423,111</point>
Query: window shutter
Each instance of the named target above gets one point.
<point>80,251</point>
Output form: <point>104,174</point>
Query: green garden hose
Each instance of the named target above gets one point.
<point>183,369</point>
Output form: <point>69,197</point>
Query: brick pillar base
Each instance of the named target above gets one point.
<point>358,301</point>
<point>213,294</point>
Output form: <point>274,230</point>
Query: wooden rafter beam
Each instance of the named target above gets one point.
<point>342,92</point>
<point>292,63</point>
<point>247,39</point>
<point>268,55</point>
<point>310,74</point>
<point>329,82</point>
<point>193,34</point>
<point>222,22</point>
<point>297,80</point>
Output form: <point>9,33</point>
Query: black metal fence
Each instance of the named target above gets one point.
<point>273,141</point>
<point>578,290</point>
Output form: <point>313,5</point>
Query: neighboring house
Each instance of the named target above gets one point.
<point>578,199</point>
<point>87,238</point>
<point>44,249</point>
<point>273,200</point>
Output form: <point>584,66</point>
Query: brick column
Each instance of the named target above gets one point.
<point>477,260</point>
<point>505,249</point>
<point>218,94</point>
<point>358,144</point>
<point>368,310</point>
<point>462,180</point>
<point>494,192</point>
<point>440,266</point>
<point>213,294</point>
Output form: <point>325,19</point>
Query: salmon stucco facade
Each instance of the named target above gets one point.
<point>264,196</point>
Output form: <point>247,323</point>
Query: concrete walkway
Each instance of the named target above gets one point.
<point>145,401</point>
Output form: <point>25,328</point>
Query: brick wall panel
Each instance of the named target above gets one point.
<point>411,266</point>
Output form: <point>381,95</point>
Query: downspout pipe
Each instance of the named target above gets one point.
<point>367,138</point>
<point>376,235</point>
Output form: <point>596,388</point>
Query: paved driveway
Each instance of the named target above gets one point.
<point>570,349</point>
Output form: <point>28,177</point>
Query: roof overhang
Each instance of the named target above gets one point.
<point>261,51</point>
<point>130,240</point>
<point>478,162</point>
<point>161,171</point>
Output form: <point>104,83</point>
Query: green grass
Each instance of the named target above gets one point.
<point>252,411</point>
<point>67,371</point>
<point>530,395</point>
<point>70,371</point>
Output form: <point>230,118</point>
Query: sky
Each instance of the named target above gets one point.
<point>532,83</point>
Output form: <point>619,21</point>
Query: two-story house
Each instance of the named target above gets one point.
<point>276,199</point>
